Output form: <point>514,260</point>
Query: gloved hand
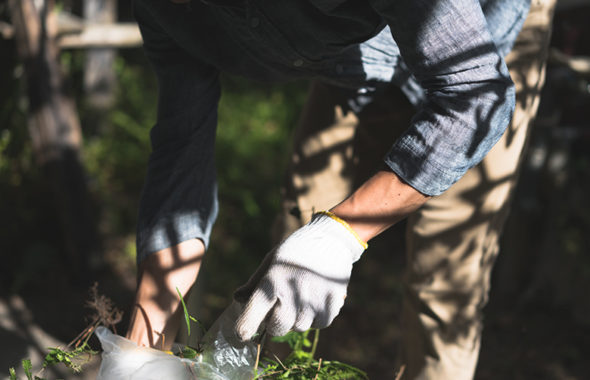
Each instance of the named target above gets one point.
<point>302,282</point>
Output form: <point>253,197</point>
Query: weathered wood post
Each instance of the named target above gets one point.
<point>99,73</point>
<point>54,128</point>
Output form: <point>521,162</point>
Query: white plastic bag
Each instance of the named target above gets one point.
<point>223,358</point>
<point>224,352</point>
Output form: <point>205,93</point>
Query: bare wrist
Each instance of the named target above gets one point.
<point>378,204</point>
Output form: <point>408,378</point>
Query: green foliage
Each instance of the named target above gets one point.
<point>186,314</point>
<point>104,313</point>
<point>302,365</point>
<point>187,351</point>
<point>187,317</point>
<point>255,124</point>
<point>296,340</point>
<point>57,355</point>
<point>12,373</point>
<point>28,368</point>
<point>117,146</point>
<point>316,370</point>
<point>294,369</point>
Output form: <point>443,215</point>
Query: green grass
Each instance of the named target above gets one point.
<point>301,364</point>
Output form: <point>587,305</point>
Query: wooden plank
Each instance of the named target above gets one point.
<point>99,64</point>
<point>121,35</point>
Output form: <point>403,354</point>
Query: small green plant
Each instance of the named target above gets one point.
<point>57,355</point>
<point>79,352</point>
<point>299,365</point>
<point>187,351</point>
<point>187,317</point>
<point>28,368</point>
<point>302,365</point>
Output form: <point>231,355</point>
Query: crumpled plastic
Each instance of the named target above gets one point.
<point>224,357</point>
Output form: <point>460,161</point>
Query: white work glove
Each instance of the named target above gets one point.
<point>302,282</point>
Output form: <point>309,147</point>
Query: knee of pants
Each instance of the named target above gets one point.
<point>448,272</point>
<point>454,312</point>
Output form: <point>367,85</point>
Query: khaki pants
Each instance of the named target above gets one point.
<point>452,241</point>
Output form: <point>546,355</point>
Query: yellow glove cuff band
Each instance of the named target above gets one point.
<point>347,226</point>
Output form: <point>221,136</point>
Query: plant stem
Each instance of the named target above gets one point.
<point>318,370</point>
<point>401,372</point>
<point>314,346</point>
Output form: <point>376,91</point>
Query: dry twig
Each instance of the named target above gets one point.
<point>401,372</point>
<point>319,366</point>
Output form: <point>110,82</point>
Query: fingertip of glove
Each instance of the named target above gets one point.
<point>277,331</point>
<point>245,331</point>
<point>243,335</point>
<point>247,323</point>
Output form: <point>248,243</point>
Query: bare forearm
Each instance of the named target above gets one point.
<point>155,317</point>
<point>378,204</point>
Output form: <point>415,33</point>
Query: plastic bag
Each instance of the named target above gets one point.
<point>224,356</point>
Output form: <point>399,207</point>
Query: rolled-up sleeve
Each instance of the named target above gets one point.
<point>469,95</point>
<point>179,197</point>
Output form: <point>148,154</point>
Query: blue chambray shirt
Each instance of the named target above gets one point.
<point>446,55</point>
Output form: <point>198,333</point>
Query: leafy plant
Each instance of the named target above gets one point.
<point>302,365</point>
<point>299,365</point>
<point>187,351</point>
<point>57,355</point>
<point>187,317</point>
<point>105,313</point>
<point>27,367</point>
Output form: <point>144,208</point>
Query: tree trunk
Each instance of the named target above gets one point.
<point>54,128</point>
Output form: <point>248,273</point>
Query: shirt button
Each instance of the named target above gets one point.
<point>298,63</point>
<point>254,22</point>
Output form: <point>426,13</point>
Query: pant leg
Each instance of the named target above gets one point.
<point>319,173</point>
<point>453,240</point>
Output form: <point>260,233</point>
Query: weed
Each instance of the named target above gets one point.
<point>187,317</point>
<point>27,367</point>
<point>56,355</point>
<point>104,313</point>
<point>187,351</point>
<point>302,365</point>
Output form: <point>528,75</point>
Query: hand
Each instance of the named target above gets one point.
<point>302,282</point>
